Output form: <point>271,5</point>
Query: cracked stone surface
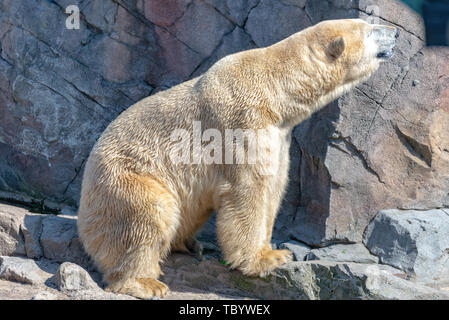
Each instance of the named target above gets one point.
<point>384,145</point>
<point>343,252</point>
<point>190,279</point>
<point>416,242</point>
<point>338,271</point>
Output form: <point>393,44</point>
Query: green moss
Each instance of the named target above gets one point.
<point>33,206</point>
<point>283,281</point>
<point>267,279</point>
<point>223,262</point>
<point>243,283</point>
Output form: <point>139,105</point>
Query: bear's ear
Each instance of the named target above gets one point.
<point>336,47</point>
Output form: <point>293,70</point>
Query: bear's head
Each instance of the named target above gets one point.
<point>319,64</point>
<point>353,46</point>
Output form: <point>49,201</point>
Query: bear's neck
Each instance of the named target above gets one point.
<point>302,83</point>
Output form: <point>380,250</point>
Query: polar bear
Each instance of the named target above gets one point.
<point>139,202</point>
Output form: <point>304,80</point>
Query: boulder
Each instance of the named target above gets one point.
<point>40,235</point>
<point>59,240</point>
<point>21,270</point>
<point>343,253</point>
<point>416,242</point>
<point>11,241</point>
<point>75,282</point>
<point>32,230</point>
<point>72,277</point>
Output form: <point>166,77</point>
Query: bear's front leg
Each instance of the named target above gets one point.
<point>241,225</point>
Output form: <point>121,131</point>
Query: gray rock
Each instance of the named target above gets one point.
<point>343,253</point>
<point>100,14</point>
<point>272,21</point>
<point>60,241</point>
<point>208,231</point>
<point>21,270</point>
<point>325,280</point>
<point>39,235</point>
<point>78,284</point>
<point>209,30</point>
<point>299,250</point>
<point>32,229</point>
<point>305,280</point>
<point>335,9</point>
<point>414,241</point>
<point>237,40</point>
<point>11,241</point>
<point>72,277</point>
<point>236,10</point>
<point>297,3</point>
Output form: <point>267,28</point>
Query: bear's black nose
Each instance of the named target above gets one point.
<point>398,31</point>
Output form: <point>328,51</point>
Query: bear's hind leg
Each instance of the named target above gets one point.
<point>137,236</point>
<point>137,275</point>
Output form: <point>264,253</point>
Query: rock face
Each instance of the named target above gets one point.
<point>416,242</point>
<point>384,145</point>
